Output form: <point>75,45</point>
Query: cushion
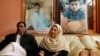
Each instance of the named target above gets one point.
<point>88,42</point>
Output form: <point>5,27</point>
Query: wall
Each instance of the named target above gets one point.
<point>10,14</point>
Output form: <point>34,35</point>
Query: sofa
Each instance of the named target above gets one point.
<point>40,37</point>
<point>76,42</point>
<point>95,37</point>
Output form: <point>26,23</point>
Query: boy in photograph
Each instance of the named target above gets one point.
<point>38,20</point>
<point>75,17</point>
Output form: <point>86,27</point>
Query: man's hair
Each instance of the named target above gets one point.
<point>20,23</point>
<point>73,1</point>
<point>36,4</point>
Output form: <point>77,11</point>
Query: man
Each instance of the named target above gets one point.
<point>75,16</point>
<point>38,20</point>
<point>26,41</point>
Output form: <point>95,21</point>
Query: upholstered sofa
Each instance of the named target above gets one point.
<point>39,38</point>
<point>94,37</point>
<point>76,42</point>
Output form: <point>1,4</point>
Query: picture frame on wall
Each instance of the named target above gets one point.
<point>73,16</point>
<point>39,16</point>
<point>54,11</point>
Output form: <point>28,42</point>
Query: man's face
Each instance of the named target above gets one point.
<point>37,8</point>
<point>21,28</point>
<point>74,6</point>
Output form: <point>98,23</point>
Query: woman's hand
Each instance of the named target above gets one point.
<point>56,54</point>
<point>41,53</point>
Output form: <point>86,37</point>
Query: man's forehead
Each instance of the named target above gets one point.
<point>21,24</point>
<point>75,2</point>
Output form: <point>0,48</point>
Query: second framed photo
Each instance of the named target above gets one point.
<point>70,14</point>
<point>73,16</point>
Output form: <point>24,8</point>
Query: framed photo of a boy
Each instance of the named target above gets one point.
<point>74,16</point>
<point>38,15</point>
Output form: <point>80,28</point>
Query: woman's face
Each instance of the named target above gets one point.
<point>37,8</point>
<point>54,31</point>
<point>74,6</point>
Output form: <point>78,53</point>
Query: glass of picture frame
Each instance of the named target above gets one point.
<point>51,12</point>
<point>39,16</point>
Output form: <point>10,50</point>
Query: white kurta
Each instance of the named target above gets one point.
<point>13,49</point>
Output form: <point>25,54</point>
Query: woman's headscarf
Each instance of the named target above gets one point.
<point>55,44</point>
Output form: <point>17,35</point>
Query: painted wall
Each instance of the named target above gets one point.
<point>10,14</point>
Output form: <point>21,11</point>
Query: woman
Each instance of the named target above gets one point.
<point>54,44</point>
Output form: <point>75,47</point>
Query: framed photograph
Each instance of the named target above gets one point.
<point>39,16</point>
<point>73,16</point>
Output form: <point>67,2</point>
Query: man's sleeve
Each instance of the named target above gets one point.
<point>5,42</point>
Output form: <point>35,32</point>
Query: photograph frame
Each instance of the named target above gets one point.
<point>74,23</point>
<point>40,31</point>
<point>55,15</point>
